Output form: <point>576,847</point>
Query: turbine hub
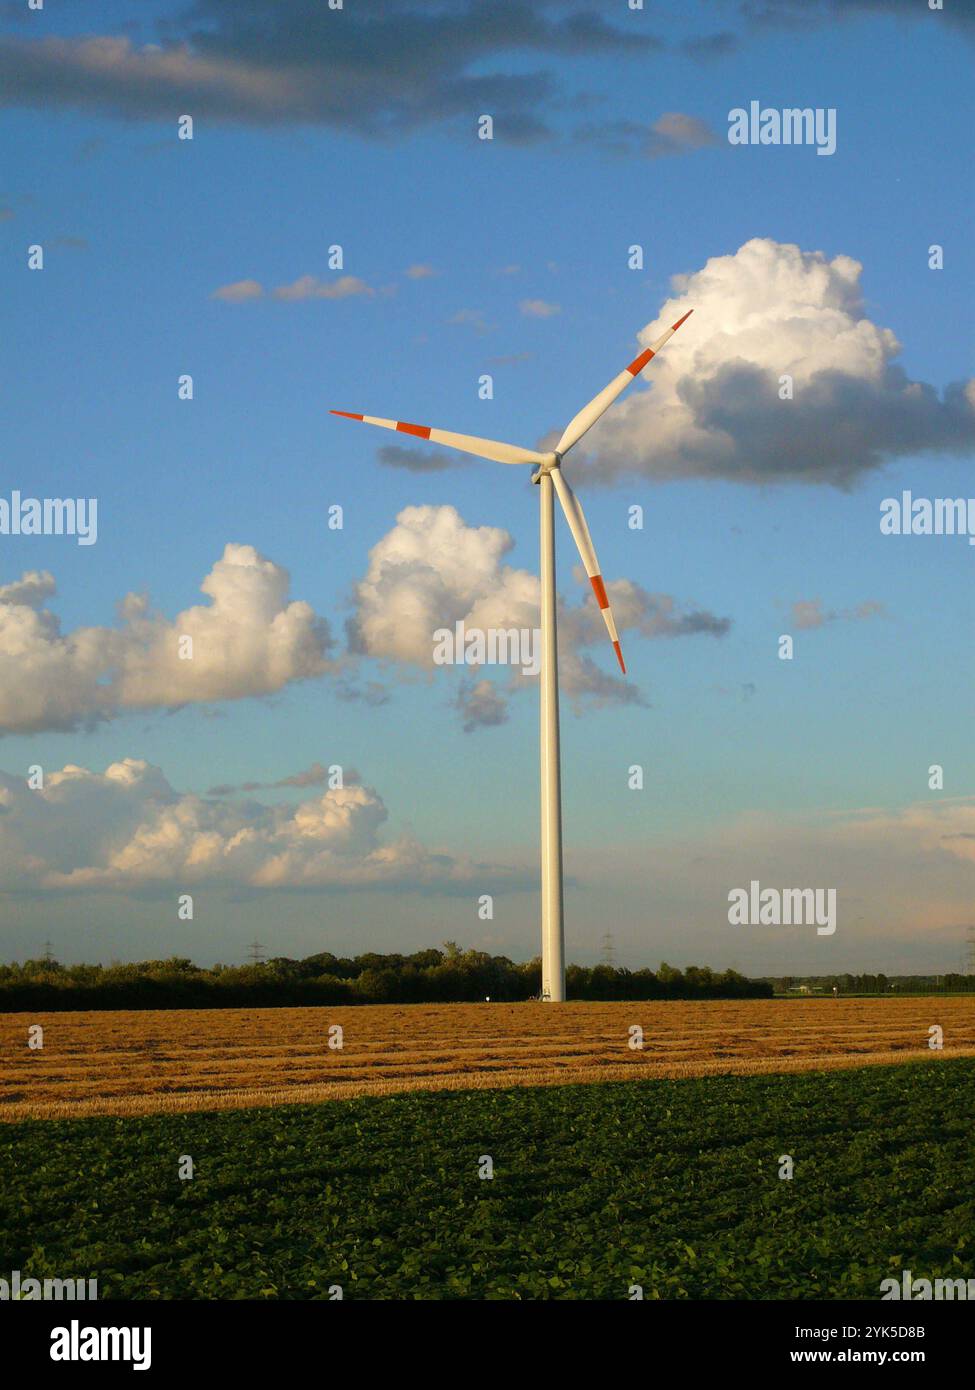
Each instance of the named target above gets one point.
<point>549,461</point>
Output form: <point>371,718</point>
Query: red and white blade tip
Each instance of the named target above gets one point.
<point>403,426</point>
<point>638,363</point>
<point>602,598</point>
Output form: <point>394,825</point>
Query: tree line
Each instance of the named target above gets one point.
<point>433,976</point>
<point>950,983</point>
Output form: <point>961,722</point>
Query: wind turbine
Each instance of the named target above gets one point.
<point>548,475</point>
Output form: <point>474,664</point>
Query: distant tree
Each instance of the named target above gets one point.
<point>451,975</point>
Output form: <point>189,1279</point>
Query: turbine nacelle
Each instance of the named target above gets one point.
<point>546,464</point>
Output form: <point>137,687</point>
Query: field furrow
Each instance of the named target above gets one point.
<point>137,1062</point>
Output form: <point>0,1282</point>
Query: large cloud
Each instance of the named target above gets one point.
<point>713,406</point>
<point>127,828</point>
<point>375,69</point>
<point>432,571</point>
<point>248,640</point>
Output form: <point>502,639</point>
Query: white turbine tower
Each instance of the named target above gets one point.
<point>549,476</point>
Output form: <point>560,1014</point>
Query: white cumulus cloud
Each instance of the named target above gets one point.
<point>247,640</point>
<point>713,407</point>
<point>127,828</point>
<point>432,571</point>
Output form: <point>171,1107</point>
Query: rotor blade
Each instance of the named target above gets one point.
<point>583,540</point>
<point>590,413</point>
<point>468,443</point>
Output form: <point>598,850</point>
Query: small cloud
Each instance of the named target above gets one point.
<point>414,460</point>
<point>315,776</point>
<point>481,705</point>
<point>539,308</point>
<point>30,591</point>
<point>674,133</point>
<point>371,693</point>
<point>470,318</point>
<point>508,270</point>
<point>310,287</point>
<point>870,608</point>
<point>807,613</point>
<point>420,272</point>
<point>239,292</point>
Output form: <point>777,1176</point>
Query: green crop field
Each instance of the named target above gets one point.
<point>671,1184</point>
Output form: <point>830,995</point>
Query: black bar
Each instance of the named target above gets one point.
<point>296,1337</point>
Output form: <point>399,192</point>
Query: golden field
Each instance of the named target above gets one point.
<point>136,1062</point>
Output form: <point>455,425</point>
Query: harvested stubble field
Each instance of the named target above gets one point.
<point>141,1061</point>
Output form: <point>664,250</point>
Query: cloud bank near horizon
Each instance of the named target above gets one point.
<point>127,829</point>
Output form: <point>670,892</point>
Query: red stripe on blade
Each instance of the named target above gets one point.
<point>347,414</point>
<point>680,321</point>
<point>619,656</point>
<point>421,431</point>
<point>599,589</point>
<point>638,363</point>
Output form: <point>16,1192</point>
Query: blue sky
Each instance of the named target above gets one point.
<point>755,767</point>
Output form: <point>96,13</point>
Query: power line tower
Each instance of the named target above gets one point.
<point>970,951</point>
<point>609,950</point>
<point>48,952</point>
<point>256,952</point>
